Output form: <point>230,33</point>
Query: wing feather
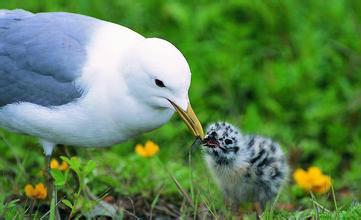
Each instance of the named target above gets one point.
<point>41,56</point>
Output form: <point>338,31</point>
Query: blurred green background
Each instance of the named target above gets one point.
<point>290,70</point>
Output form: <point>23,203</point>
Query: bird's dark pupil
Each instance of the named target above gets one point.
<point>228,141</point>
<point>159,83</point>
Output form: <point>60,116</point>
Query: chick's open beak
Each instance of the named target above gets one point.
<point>191,120</point>
<point>210,142</point>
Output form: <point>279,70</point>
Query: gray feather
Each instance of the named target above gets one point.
<point>41,56</point>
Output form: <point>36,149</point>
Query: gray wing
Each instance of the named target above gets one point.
<point>41,56</point>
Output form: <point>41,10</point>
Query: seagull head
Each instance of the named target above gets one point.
<point>159,75</point>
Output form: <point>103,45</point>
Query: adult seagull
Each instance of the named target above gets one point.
<point>76,80</point>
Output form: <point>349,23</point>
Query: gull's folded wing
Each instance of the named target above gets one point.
<point>41,56</point>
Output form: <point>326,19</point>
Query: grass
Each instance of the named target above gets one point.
<point>145,187</point>
<point>289,70</point>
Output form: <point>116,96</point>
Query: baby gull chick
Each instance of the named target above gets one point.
<point>248,168</point>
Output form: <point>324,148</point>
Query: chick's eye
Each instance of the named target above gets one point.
<point>159,83</point>
<point>228,141</point>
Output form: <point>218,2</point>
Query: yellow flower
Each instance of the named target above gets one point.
<point>314,171</point>
<point>63,166</point>
<point>312,180</point>
<point>322,184</point>
<point>301,178</point>
<point>37,192</point>
<point>29,190</point>
<point>54,164</point>
<point>148,150</point>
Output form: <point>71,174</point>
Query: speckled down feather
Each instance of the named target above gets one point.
<point>248,168</point>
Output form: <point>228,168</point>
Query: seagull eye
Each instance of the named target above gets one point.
<point>159,83</point>
<point>228,141</point>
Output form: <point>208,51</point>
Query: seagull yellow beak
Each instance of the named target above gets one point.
<point>190,119</point>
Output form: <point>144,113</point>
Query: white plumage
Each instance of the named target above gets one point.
<point>119,97</point>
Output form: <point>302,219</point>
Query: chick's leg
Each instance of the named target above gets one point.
<point>259,209</point>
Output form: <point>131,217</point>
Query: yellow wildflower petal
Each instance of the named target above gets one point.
<point>317,180</point>
<point>151,148</point>
<point>41,191</point>
<point>54,164</point>
<point>327,184</point>
<point>155,150</point>
<point>314,171</point>
<point>63,166</point>
<point>302,179</point>
<point>149,144</point>
<point>298,174</point>
<point>148,150</point>
<point>29,191</point>
<point>139,149</point>
<point>322,185</point>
